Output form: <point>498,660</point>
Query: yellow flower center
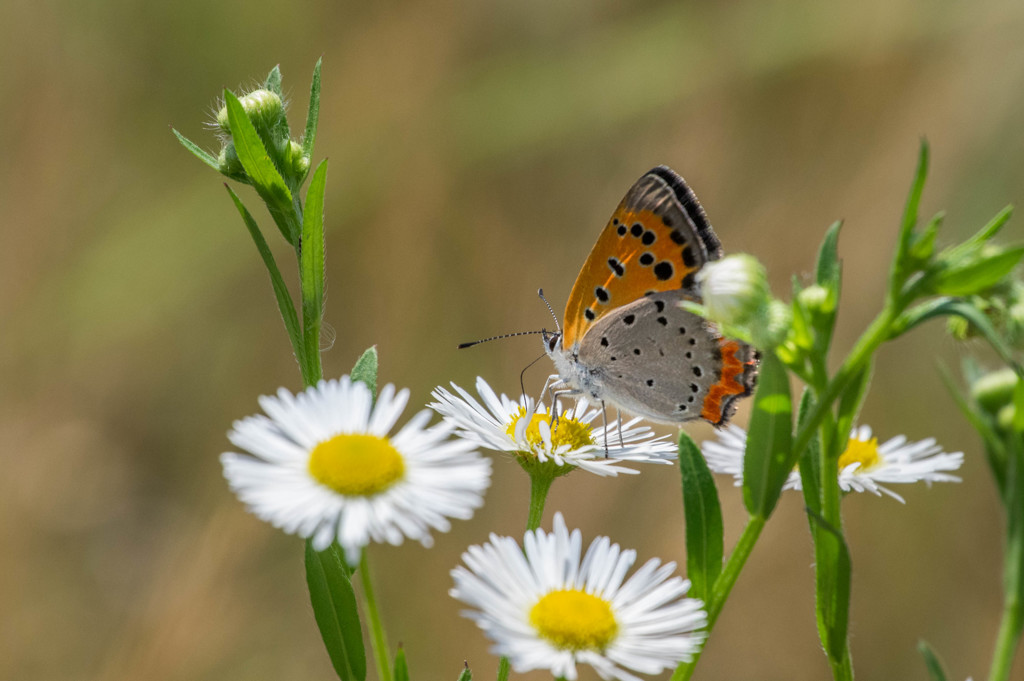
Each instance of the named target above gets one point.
<point>356,464</point>
<point>574,620</point>
<point>859,451</point>
<point>566,432</point>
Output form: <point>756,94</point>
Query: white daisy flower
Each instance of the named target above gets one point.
<point>863,466</point>
<point>524,428</point>
<point>545,609</point>
<point>325,467</point>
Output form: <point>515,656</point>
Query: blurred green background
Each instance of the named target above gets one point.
<point>476,150</point>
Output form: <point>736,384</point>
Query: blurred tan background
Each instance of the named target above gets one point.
<point>476,150</point>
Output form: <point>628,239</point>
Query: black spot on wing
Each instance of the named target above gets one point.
<point>664,270</point>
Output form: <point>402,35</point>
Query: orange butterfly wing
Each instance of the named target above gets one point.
<point>657,239</point>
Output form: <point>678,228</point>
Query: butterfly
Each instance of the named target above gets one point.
<point>624,340</point>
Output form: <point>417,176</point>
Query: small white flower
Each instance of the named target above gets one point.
<point>862,466</point>
<point>545,609</point>
<point>325,467</point>
<point>523,427</point>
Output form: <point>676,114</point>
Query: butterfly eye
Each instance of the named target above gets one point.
<point>553,341</point>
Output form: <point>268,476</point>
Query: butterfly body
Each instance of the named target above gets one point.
<point>625,340</point>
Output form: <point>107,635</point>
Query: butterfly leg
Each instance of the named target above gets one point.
<point>604,423</point>
<point>618,424</point>
<point>556,391</point>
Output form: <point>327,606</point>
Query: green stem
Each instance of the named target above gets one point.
<point>504,666</point>
<point>376,625</point>
<point>866,345</point>
<point>539,486</point>
<point>723,586</point>
<point>842,670</point>
<point>1007,640</point>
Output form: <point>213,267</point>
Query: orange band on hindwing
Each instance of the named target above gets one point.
<point>737,380</point>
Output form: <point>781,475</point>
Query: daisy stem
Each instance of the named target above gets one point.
<point>378,637</point>
<point>540,483</point>
<point>733,566</point>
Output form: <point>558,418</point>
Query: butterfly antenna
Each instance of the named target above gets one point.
<point>558,328</point>
<point>522,385</point>
<point>504,335</point>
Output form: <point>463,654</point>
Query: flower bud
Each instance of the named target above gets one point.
<point>1004,419</point>
<point>228,163</point>
<point>293,161</point>
<point>735,290</point>
<point>263,107</point>
<point>816,299</point>
<point>995,390</point>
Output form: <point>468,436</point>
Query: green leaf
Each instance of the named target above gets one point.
<point>1013,558</point>
<point>311,265</point>
<point>1018,407</point>
<point>467,675</point>
<point>829,268</point>
<point>768,459</point>
<point>923,247</point>
<point>995,449</point>
<point>987,232</point>
<point>943,307</point>
<point>914,198</point>
<point>704,529</point>
<point>401,671</point>
<point>931,661</point>
<point>335,610</point>
<point>901,262</point>
<point>850,401</point>
<point>202,155</point>
<point>979,274</point>
<point>313,113</point>
<point>365,369</point>
<point>810,464</point>
<point>832,580</point>
<point>261,170</point>
<point>284,298</point>
<point>273,81</point>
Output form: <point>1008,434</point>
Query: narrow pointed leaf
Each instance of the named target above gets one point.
<point>313,113</point>
<point>335,610</point>
<point>987,232</point>
<point>832,580</point>
<point>914,198</point>
<point>703,513</point>
<point>261,170</point>
<point>931,662</point>
<point>901,265</point>
<point>365,369</point>
<point>979,275</point>
<point>467,675</point>
<point>944,307</point>
<point>1013,559</point>
<point>401,670</point>
<point>311,265</point>
<point>504,667</point>
<point>768,459</point>
<point>995,449</point>
<point>284,298</point>
<point>273,82</point>
<point>828,267</point>
<point>809,465</point>
<point>199,153</point>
